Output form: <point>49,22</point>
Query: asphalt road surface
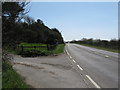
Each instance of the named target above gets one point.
<point>49,72</point>
<point>78,67</point>
<point>99,66</point>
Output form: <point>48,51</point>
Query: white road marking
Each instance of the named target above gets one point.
<point>70,57</point>
<point>79,67</point>
<point>96,85</point>
<point>74,61</point>
<point>20,62</point>
<point>106,56</point>
<point>67,52</point>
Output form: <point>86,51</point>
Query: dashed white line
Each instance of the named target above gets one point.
<point>79,67</point>
<point>96,85</point>
<point>74,61</point>
<point>67,52</point>
<point>106,56</point>
<point>70,57</point>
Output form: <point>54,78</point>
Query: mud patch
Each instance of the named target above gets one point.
<point>29,65</point>
<point>51,72</point>
<point>59,66</point>
<point>36,67</point>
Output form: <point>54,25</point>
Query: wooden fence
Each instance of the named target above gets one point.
<point>48,47</point>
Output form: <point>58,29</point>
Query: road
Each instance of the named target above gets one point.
<point>101,66</point>
<point>49,72</point>
<point>77,67</point>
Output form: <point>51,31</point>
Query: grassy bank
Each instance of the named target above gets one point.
<point>33,49</point>
<point>59,49</point>
<point>10,79</point>
<point>102,48</point>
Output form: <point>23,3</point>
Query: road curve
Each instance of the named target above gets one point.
<point>99,66</point>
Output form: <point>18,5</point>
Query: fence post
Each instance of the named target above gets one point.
<point>48,47</point>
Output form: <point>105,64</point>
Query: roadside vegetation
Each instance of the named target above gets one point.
<point>10,79</point>
<point>59,49</point>
<point>22,35</point>
<point>25,36</point>
<point>112,45</point>
<point>32,50</point>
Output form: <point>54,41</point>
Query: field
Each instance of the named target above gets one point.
<point>32,49</point>
<point>102,48</point>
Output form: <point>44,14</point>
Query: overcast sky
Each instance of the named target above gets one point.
<point>97,20</point>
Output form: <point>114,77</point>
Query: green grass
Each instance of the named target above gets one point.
<point>10,79</point>
<point>32,44</point>
<point>59,49</point>
<point>38,51</point>
<point>102,48</point>
<point>9,50</point>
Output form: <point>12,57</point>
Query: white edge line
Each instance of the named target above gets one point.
<point>74,61</point>
<point>70,57</point>
<point>106,56</point>
<point>79,67</point>
<point>96,85</point>
<point>67,52</point>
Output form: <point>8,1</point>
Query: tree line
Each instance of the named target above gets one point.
<point>113,43</point>
<point>17,27</point>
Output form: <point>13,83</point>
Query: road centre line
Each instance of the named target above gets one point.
<point>80,67</point>
<point>96,85</point>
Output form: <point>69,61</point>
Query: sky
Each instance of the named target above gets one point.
<point>77,20</point>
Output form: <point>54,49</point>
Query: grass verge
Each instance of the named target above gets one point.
<point>10,79</point>
<point>102,48</point>
<point>59,49</point>
<point>38,51</point>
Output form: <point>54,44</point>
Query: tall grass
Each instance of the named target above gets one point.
<point>10,79</point>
